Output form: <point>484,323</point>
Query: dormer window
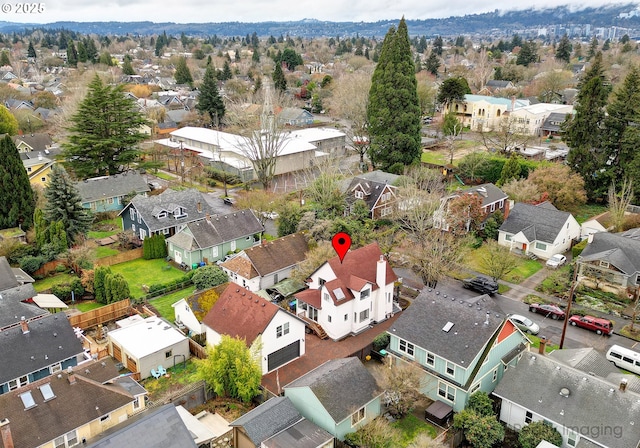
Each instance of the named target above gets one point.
<point>359,194</point>
<point>162,214</point>
<point>364,294</point>
<point>179,213</point>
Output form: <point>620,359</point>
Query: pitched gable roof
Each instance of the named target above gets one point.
<point>7,277</point>
<point>535,384</point>
<point>541,222</point>
<point>37,141</point>
<point>424,321</point>
<point>12,307</point>
<point>241,266</point>
<point>73,406</point>
<point>278,254</point>
<point>361,263</point>
<point>106,187</point>
<point>620,251</point>
<point>215,230</point>
<point>240,313</point>
<point>268,419</point>
<point>50,339</point>
<point>372,185</point>
<point>488,192</point>
<point>341,385</point>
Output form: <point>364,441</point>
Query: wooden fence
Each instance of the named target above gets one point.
<point>48,267</point>
<point>120,258</point>
<point>197,350</point>
<point>100,315</point>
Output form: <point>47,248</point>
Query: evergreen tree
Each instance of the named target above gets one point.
<point>255,57</point>
<point>527,54</point>
<point>104,132</point>
<point>226,72</point>
<point>593,48</point>
<point>31,52</point>
<point>437,46</point>
<point>510,170</point>
<point>92,50</point>
<point>8,122</point>
<point>279,81</point>
<point>127,68</point>
<point>453,89</point>
<point>582,131</point>
<point>183,74</point>
<point>82,52</point>
<point>4,58</point>
<point>209,99</point>
<point>106,59</point>
<point>72,54</point>
<point>64,204</point>
<point>18,202</point>
<point>290,58</point>
<point>432,64</point>
<point>393,111</point>
<point>99,276</point>
<point>563,52</point>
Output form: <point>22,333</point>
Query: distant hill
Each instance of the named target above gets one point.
<point>620,15</point>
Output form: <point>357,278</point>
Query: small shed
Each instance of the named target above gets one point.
<point>145,345</point>
<point>439,413</point>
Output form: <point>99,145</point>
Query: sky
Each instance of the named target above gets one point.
<point>201,11</point>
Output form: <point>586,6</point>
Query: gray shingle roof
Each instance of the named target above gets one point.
<point>341,385</point>
<point>12,308</point>
<point>304,434</point>
<point>592,403</point>
<point>159,428</point>
<point>112,186</point>
<point>372,184</point>
<point>489,193</point>
<point>278,254</point>
<point>268,419</point>
<point>220,229</point>
<point>423,322</point>
<point>50,339</point>
<point>188,199</point>
<point>619,251</point>
<point>7,277</point>
<point>540,222</point>
<point>551,123</point>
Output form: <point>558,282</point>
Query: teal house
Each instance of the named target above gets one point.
<point>108,193</point>
<point>462,345</point>
<point>339,396</point>
<point>212,238</point>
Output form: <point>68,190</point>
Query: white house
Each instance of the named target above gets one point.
<point>274,335</point>
<point>145,344</point>
<point>529,119</point>
<point>346,298</point>
<point>190,311</point>
<point>541,229</point>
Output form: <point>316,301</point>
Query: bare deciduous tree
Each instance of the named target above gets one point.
<point>619,201</point>
<point>498,260</point>
<point>507,135</point>
<point>436,254</point>
<point>521,190</point>
<point>401,384</point>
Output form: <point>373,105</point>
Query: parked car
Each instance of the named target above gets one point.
<point>600,326</point>
<point>154,186</point>
<point>556,261</point>
<point>482,285</point>
<point>270,215</point>
<point>553,311</point>
<point>525,324</point>
<point>229,200</point>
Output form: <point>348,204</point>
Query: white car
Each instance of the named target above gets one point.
<point>556,261</point>
<point>270,215</point>
<point>525,324</point>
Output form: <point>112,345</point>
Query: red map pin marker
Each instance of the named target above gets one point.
<point>341,243</point>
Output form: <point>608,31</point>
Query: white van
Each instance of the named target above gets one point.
<point>624,358</point>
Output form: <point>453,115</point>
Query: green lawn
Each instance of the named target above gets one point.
<point>535,343</point>
<point>410,426</point>
<point>524,269</point>
<point>105,251</point>
<point>48,282</point>
<point>588,211</point>
<point>163,303</point>
<point>165,176</point>
<point>433,157</point>
<point>105,228</point>
<point>146,272</point>
<point>87,306</point>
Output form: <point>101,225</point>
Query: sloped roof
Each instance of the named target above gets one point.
<point>268,419</point>
<point>361,263</point>
<point>341,385</point>
<point>304,434</point>
<point>74,405</point>
<point>241,266</point>
<point>115,186</point>
<point>37,141</point>
<point>7,277</point>
<point>215,230</point>
<point>12,307</point>
<point>159,428</point>
<point>240,313</point>
<point>278,254</point>
<point>488,192</point>
<point>535,384</point>
<point>372,189</point>
<point>50,339</point>
<point>423,322</point>
<point>618,250</point>
<point>550,124</point>
<point>539,222</point>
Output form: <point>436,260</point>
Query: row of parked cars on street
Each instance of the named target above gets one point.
<point>596,324</point>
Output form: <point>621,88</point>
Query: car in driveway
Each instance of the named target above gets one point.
<point>229,200</point>
<point>525,324</point>
<point>552,311</point>
<point>480,284</point>
<point>556,261</point>
<point>597,324</point>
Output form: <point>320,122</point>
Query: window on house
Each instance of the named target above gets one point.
<point>386,211</point>
<point>386,197</point>
<point>43,179</point>
<point>406,347</point>
<point>327,297</point>
<point>604,264</point>
<point>359,194</point>
<point>168,354</point>
<point>364,315</point>
<point>68,440</point>
<point>133,228</point>
<point>139,219</point>
<point>364,294</point>
<point>431,360</point>
<point>357,416</point>
<point>55,368</point>
<point>132,214</point>
<point>447,392</point>
<point>281,330</point>
<point>329,319</point>
<point>233,245</point>
<point>22,381</point>
<point>321,281</point>
<point>507,237</point>
<point>346,316</point>
<point>495,375</point>
<point>451,369</point>
<point>572,438</point>
<point>105,418</point>
<point>28,169</point>
<point>110,201</point>
<point>474,388</point>
<point>165,231</point>
<point>528,417</point>
<point>493,207</point>
<point>541,246</point>
<point>501,204</point>
<point>136,403</point>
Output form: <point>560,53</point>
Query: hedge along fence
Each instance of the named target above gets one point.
<point>129,255</point>
<point>160,289</point>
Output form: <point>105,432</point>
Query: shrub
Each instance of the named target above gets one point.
<point>381,341</point>
<point>578,248</point>
<point>208,277</point>
<point>61,268</point>
<point>154,247</point>
<point>62,291</point>
<point>31,264</point>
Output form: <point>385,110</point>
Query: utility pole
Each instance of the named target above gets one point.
<point>574,283</point>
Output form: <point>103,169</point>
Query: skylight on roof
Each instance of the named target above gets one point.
<point>47,392</point>
<point>338,293</point>
<point>27,400</point>
<point>447,327</point>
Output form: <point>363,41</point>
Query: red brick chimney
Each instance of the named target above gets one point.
<point>24,325</point>
<point>543,345</point>
<point>5,431</point>
<point>71,377</point>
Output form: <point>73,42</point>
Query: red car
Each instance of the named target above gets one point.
<point>600,326</point>
<point>553,311</point>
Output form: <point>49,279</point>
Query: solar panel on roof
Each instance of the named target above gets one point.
<point>447,327</point>
<point>47,392</point>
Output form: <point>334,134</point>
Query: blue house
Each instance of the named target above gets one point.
<point>339,396</point>
<point>462,345</point>
<point>107,193</point>
<point>166,213</point>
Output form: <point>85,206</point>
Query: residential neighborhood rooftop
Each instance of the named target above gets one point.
<point>540,222</point>
<point>149,336</point>
<point>117,185</point>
